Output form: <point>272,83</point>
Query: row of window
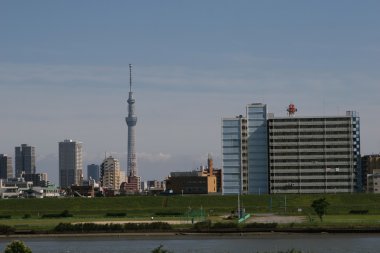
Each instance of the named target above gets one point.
<point>313,160</point>
<point>311,167</point>
<point>310,153</point>
<point>309,140</point>
<point>312,146</point>
<point>310,119</point>
<point>309,126</point>
<point>322,180</point>
<point>308,133</point>
<point>310,174</point>
<point>322,187</point>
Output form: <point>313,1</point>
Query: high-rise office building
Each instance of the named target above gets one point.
<point>315,154</point>
<point>110,173</point>
<point>6,169</point>
<point>25,160</point>
<point>93,172</point>
<point>234,155</point>
<point>70,163</point>
<point>244,152</point>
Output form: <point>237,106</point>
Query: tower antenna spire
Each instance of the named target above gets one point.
<point>130,77</point>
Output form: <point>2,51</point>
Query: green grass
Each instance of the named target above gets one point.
<point>143,207</point>
<point>338,221</point>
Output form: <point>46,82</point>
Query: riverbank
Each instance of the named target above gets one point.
<point>259,223</point>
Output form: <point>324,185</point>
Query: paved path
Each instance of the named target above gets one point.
<point>270,218</point>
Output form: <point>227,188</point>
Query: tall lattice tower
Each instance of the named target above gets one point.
<point>131,122</point>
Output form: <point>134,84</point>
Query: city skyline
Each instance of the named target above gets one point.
<point>195,63</point>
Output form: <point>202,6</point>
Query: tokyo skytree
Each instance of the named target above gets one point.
<point>131,122</point>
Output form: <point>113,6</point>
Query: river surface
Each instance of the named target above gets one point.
<point>253,243</point>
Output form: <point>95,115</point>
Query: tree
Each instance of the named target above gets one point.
<point>320,206</point>
<point>17,247</point>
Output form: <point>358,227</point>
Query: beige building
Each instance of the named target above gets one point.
<point>191,182</point>
<point>110,173</point>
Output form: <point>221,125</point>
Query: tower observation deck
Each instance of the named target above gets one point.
<point>131,122</point>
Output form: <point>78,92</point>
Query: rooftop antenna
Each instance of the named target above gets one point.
<point>130,77</point>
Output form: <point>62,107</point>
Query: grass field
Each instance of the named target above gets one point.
<point>144,206</point>
<point>181,207</point>
<point>149,205</point>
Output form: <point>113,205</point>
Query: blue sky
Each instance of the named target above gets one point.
<point>64,73</point>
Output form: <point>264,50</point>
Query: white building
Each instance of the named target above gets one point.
<point>314,154</point>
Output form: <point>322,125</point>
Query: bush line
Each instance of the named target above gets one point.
<point>109,227</point>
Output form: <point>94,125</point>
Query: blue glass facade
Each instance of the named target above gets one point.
<point>245,152</point>
<point>231,155</point>
<point>257,149</point>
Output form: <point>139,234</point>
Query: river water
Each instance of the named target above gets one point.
<point>253,243</point>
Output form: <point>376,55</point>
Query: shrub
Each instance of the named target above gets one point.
<point>203,225</point>
<point>358,211</point>
<point>116,214</point>
<point>168,213</point>
<point>131,226</point>
<point>50,215</point>
<point>17,247</point>
<point>157,226</point>
<point>4,229</point>
<point>93,227</point>
<point>26,216</point>
<point>225,225</point>
<point>64,214</point>
<point>64,227</point>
